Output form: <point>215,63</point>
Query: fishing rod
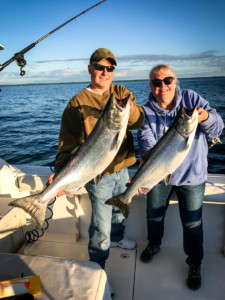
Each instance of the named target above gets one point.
<point>19,56</point>
<point>216,141</point>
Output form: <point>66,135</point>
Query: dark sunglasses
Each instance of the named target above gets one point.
<point>158,82</point>
<point>102,68</point>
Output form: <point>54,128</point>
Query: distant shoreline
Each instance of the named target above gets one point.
<point>122,80</point>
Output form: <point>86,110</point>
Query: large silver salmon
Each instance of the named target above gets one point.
<point>88,162</point>
<point>162,160</point>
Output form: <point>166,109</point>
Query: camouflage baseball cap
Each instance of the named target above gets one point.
<point>102,53</point>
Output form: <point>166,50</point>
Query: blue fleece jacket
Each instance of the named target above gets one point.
<point>193,170</point>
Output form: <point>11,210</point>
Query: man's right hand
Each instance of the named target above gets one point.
<point>50,180</point>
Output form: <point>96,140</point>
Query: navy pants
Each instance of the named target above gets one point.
<point>190,198</point>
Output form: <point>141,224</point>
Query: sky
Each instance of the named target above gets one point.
<point>188,35</point>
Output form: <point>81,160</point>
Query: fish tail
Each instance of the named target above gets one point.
<point>33,206</point>
<point>118,202</point>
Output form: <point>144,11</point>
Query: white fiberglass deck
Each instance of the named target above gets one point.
<point>67,237</point>
<point>163,278</point>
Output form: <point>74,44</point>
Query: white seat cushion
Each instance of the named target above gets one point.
<point>60,278</point>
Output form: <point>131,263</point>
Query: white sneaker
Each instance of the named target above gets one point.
<point>125,243</point>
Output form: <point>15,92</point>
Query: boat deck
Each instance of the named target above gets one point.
<point>163,278</point>
<point>67,238</point>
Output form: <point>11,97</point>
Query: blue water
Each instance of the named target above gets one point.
<point>30,118</point>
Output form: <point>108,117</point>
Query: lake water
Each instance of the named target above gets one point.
<point>30,118</point>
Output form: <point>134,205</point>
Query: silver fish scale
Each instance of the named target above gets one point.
<point>91,159</point>
<point>160,161</point>
<point>94,155</point>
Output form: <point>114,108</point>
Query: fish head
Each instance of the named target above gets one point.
<point>186,121</point>
<point>117,113</point>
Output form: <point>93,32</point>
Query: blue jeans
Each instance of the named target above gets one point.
<point>106,220</point>
<point>190,199</point>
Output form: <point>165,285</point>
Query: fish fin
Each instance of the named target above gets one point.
<point>146,154</point>
<point>167,179</point>
<point>97,179</point>
<point>145,190</point>
<point>189,141</point>
<point>185,145</point>
<point>70,193</point>
<point>32,206</point>
<point>117,140</point>
<point>74,151</point>
<point>117,201</point>
<point>114,143</point>
<point>120,138</point>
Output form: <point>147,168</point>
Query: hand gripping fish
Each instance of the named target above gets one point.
<point>88,162</point>
<point>162,160</point>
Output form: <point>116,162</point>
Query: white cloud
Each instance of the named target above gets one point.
<point>129,67</point>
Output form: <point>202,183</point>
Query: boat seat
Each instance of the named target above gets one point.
<point>22,180</point>
<point>60,278</point>
<point>12,224</point>
<point>32,182</point>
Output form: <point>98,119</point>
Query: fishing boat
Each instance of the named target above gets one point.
<point>60,255</point>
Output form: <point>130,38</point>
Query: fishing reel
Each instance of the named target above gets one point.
<point>21,62</point>
<point>216,141</point>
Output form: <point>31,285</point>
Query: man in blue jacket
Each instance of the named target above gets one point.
<point>188,180</point>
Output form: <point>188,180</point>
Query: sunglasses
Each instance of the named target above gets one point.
<point>102,68</point>
<point>158,82</point>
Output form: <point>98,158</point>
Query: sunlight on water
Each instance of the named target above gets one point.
<point>30,118</point>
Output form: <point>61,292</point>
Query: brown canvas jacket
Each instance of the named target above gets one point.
<point>80,117</point>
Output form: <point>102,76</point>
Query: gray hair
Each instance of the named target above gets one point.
<point>157,68</point>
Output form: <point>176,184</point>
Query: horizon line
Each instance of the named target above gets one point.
<point>121,80</point>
